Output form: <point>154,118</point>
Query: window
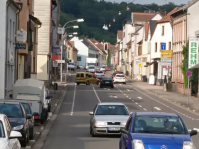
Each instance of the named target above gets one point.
<point>68,54</point>
<point>2,135</point>
<point>169,45</point>
<point>111,110</point>
<point>162,30</point>
<point>77,75</point>
<point>89,76</point>
<point>79,58</point>
<point>128,124</point>
<point>156,47</point>
<point>82,75</point>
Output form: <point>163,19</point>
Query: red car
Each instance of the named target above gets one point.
<point>107,69</point>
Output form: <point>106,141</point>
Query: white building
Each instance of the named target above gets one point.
<point>8,10</point>
<point>82,51</point>
<point>161,40</point>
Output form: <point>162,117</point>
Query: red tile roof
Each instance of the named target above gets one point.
<point>142,17</point>
<point>146,27</point>
<point>71,43</point>
<point>167,17</point>
<point>119,34</point>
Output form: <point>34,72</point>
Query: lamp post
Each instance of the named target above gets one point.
<point>63,28</point>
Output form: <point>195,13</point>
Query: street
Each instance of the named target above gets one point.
<point>71,127</point>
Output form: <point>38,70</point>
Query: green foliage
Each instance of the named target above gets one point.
<point>97,13</point>
<point>194,77</point>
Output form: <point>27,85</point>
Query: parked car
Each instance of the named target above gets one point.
<point>106,82</point>
<point>49,99</point>
<point>159,130</point>
<point>71,66</point>
<point>86,78</point>
<point>8,137</point>
<point>119,78</point>
<point>18,118</point>
<point>99,74</point>
<point>28,110</point>
<point>107,68</point>
<point>108,118</point>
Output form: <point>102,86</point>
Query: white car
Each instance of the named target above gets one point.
<point>8,141</point>
<point>91,69</point>
<point>119,78</point>
<point>71,66</point>
<point>103,68</point>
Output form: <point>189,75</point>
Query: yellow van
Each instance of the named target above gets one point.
<point>86,78</point>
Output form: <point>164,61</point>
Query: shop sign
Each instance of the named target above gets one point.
<point>193,52</point>
<point>21,36</point>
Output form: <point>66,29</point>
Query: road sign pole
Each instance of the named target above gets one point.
<point>188,92</point>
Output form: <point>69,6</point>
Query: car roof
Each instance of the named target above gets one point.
<point>9,101</point>
<point>155,114</point>
<point>110,103</point>
<point>15,100</point>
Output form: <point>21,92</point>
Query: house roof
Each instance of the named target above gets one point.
<point>152,25</point>
<point>186,6</point>
<point>71,43</point>
<point>146,27</point>
<point>167,17</point>
<point>93,43</point>
<point>142,17</point>
<point>88,44</point>
<point>127,21</point>
<point>119,34</point>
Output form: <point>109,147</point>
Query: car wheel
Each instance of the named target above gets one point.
<point>112,86</point>
<point>43,117</point>
<point>124,83</point>
<point>87,82</point>
<point>97,82</point>
<point>77,83</point>
<point>100,86</point>
<point>25,141</point>
<point>92,133</point>
<point>31,133</point>
<point>90,130</point>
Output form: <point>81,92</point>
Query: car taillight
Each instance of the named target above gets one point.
<point>94,74</point>
<point>36,116</point>
<point>102,82</point>
<point>103,74</point>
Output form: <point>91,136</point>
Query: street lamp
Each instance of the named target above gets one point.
<point>77,20</point>
<point>73,27</point>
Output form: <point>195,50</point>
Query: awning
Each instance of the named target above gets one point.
<point>194,67</point>
<point>35,20</point>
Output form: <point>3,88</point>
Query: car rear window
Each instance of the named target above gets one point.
<point>111,110</point>
<point>71,64</point>
<point>120,76</point>
<point>11,110</point>
<point>105,79</point>
<point>99,72</point>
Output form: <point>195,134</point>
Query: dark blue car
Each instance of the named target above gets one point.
<point>151,130</point>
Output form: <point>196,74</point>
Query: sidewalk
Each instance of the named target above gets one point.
<point>173,97</point>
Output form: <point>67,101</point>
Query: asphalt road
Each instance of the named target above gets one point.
<point>71,128</point>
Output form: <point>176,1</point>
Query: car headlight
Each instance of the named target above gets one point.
<point>123,123</point>
<point>18,127</point>
<point>188,145</point>
<point>137,144</point>
<point>100,123</point>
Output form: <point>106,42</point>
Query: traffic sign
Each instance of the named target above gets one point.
<point>55,64</point>
<point>189,73</point>
<point>166,55</point>
<point>167,60</point>
<point>166,51</point>
<point>163,46</point>
<point>140,65</point>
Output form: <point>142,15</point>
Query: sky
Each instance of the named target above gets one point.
<point>159,2</point>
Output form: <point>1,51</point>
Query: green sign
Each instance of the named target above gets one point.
<point>193,52</point>
<point>20,46</point>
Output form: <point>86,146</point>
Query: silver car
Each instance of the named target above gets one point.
<point>108,118</point>
<point>91,69</point>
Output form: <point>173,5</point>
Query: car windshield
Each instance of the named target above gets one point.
<point>111,110</point>
<point>70,63</point>
<point>158,125</point>
<point>27,108</point>
<point>91,68</point>
<point>11,110</point>
<point>2,135</point>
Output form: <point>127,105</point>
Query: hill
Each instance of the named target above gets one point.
<point>97,13</point>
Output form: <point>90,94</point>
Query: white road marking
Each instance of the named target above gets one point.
<point>140,106</point>
<point>136,103</point>
<point>144,109</point>
<point>73,104</point>
<point>96,94</point>
<point>157,108</point>
<point>133,100</point>
<point>139,97</point>
<point>129,98</point>
<point>128,90</point>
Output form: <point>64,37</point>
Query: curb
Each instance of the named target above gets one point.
<point>168,100</point>
<point>50,119</point>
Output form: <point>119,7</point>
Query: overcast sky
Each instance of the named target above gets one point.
<point>159,2</point>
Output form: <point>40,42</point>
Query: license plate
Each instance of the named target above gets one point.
<point>106,82</point>
<point>114,129</point>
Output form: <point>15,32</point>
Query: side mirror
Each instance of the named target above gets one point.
<point>193,133</point>
<point>123,130</point>
<point>29,116</point>
<point>15,134</point>
<point>90,113</point>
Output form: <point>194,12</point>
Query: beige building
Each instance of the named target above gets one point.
<point>71,52</point>
<point>43,11</point>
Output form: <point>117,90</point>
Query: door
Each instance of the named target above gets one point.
<point>90,78</point>
<point>82,77</point>
<point>124,137</point>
